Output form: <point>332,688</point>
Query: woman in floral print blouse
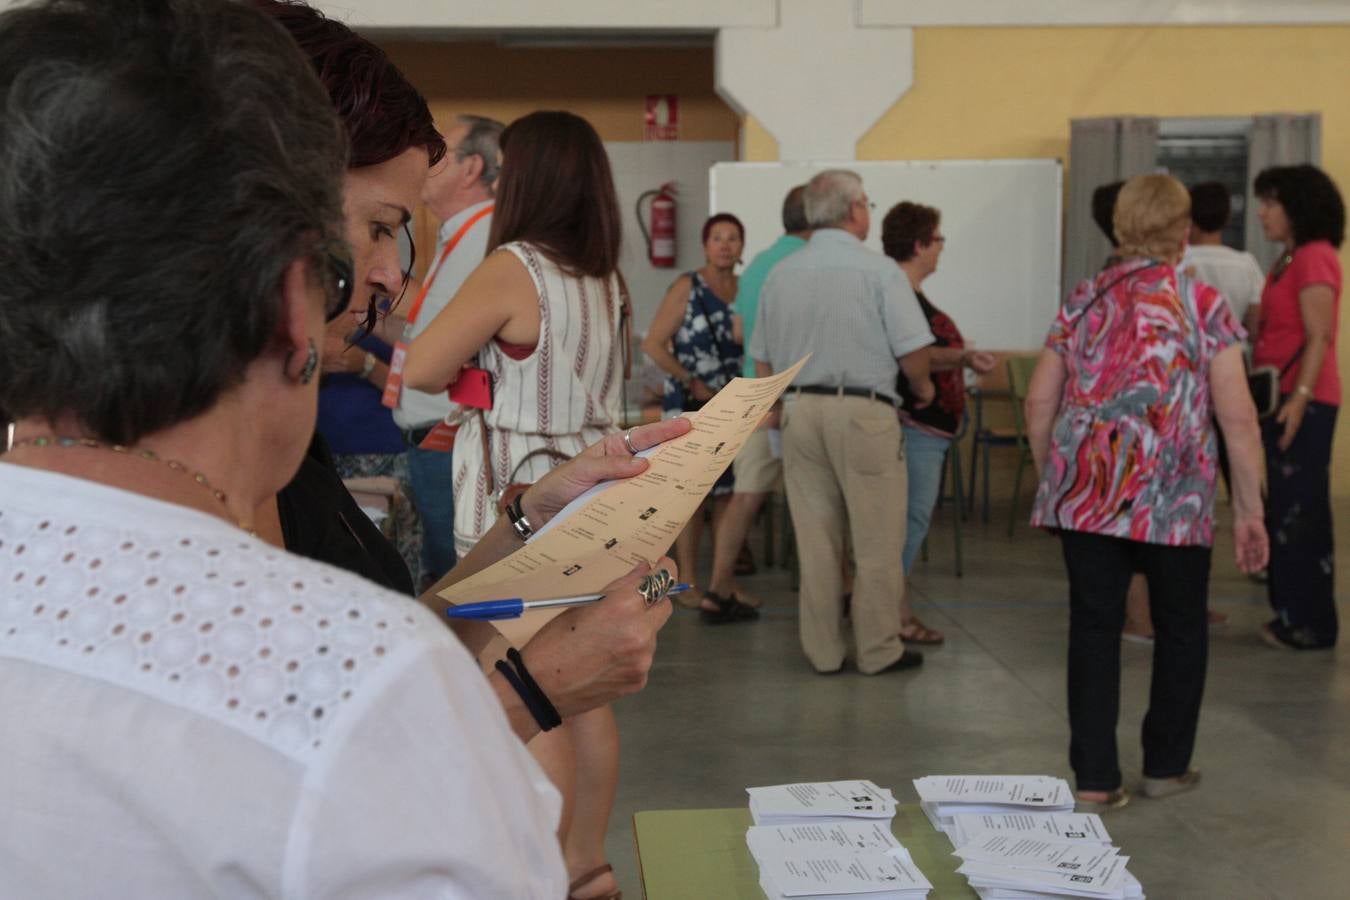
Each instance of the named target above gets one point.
<point>1120,416</point>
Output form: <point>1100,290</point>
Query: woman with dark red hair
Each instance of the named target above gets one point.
<point>696,339</point>
<point>392,143</point>
<point>547,217</point>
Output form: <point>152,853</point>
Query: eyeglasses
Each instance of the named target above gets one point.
<point>338,259</point>
<point>867,203</point>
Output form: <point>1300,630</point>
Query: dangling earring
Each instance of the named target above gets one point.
<point>311,364</point>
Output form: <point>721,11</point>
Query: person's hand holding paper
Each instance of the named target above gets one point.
<point>607,530</point>
<point>605,460</point>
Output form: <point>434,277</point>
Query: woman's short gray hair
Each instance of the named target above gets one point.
<point>162,164</point>
<point>830,196</point>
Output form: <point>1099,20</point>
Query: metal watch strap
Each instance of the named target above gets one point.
<point>515,512</point>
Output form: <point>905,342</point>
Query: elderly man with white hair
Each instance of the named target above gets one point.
<point>854,311</point>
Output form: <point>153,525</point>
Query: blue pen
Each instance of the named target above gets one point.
<point>514,608</point>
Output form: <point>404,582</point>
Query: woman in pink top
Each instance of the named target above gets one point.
<point>1301,209</point>
<point>1120,418</point>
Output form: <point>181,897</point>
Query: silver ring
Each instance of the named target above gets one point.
<point>628,441</point>
<point>656,586</point>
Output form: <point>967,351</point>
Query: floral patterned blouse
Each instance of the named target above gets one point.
<point>1133,452</point>
<point>704,345</point>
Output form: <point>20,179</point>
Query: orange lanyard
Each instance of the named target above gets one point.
<point>445,254</point>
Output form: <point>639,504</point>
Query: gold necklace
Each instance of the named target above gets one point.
<point>141,452</point>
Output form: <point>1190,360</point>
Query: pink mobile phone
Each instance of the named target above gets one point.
<point>472,388</point>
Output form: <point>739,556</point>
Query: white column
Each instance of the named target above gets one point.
<point>817,82</point>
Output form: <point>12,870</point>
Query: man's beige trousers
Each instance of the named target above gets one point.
<point>843,460</point>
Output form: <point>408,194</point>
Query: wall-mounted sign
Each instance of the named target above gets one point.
<point>663,117</point>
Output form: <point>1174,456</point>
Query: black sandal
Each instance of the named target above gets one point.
<point>729,609</point>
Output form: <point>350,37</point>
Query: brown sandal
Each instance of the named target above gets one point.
<point>1117,799</point>
<point>915,632</point>
<point>588,878</point>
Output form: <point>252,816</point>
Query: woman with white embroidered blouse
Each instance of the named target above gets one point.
<point>199,713</point>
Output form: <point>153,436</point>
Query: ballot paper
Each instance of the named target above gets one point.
<point>1030,791</point>
<point>853,836</point>
<point>1038,853</point>
<point>603,534</point>
<point>818,802</point>
<point>943,796</point>
<point>826,875</point>
<point>1132,890</point>
<point>1064,826</point>
<point>1107,882</point>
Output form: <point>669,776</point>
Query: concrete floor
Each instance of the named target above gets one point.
<point>734,706</point>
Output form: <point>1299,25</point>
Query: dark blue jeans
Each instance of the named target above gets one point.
<point>1302,574</point>
<point>432,475</point>
<point>1100,569</point>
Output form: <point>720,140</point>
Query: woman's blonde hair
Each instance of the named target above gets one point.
<point>1152,216</point>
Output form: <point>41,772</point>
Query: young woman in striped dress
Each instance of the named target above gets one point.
<point>544,315</point>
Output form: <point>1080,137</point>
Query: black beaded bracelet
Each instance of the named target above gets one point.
<point>544,712</point>
<point>519,662</point>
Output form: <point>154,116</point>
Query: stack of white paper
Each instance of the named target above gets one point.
<point>819,802</point>
<point>1064,826</point>
<point>1030,856</point>
<point>1013,872</point>
<point>851,860</point>
<point>942,797</point>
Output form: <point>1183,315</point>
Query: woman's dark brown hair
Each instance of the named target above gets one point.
<point>556,192</point>
<point>905,227</point>
<point>1310,199</point>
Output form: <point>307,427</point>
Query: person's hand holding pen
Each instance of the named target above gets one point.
<point>590,655</point>
<point>593,654</point>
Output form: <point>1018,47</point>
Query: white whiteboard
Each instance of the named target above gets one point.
<point>999,274</point>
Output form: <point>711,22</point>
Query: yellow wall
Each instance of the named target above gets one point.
<point>607,86</point>
<point>988,93</point>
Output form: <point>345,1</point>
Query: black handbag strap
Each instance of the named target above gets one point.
<point>1115,281</point>
<point>1293,359</point>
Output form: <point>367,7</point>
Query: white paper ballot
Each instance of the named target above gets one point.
<point>1038,853</point>
<point>1063,826</point>
<point>844,874</point>
<point>829,800</point>
<point>854,837</point>
<point>1133,890</point>
<point>1108,882</point>
<point>944,796</point>
<point>1032,791</point>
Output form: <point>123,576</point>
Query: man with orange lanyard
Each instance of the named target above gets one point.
<point>459,194</point>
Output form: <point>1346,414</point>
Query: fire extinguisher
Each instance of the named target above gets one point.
<point>661,236</point>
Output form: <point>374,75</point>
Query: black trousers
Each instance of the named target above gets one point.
<point>1178,587</point>
<point>1302,576</point>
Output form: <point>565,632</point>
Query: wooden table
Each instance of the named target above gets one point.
<point>700,854</point>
